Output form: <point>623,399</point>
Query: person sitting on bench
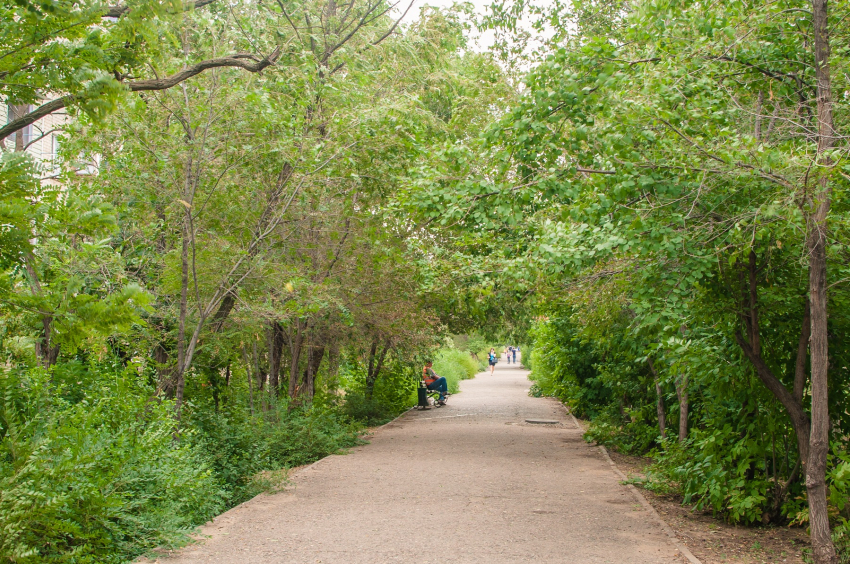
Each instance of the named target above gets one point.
<point>434,382</point>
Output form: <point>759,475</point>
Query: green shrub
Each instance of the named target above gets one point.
<point>368,411</point>
<point>527,357</point>
<point>305,435</point>
<point>91,470</point>
<point>455,365</point>
<point>393,393</point>
<point>100,480</point>
<point>240,446</point>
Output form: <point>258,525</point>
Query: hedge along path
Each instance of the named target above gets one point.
<point>471,482</point>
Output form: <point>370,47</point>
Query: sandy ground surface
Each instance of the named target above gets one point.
<point>471,482</point>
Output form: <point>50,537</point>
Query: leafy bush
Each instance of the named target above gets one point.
<point>393,393</point>
<point>100,480</point>
<point>740,443</point>
<point>455,365</point>
<point>634,436</point>
<point>527,357</point>
<point>240,446</point>
<point>91,469</point>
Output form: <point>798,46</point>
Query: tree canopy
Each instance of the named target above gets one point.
<point>266,215</point>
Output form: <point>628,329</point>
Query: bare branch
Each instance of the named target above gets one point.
<point>395,25</point>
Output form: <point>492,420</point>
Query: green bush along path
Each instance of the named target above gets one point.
<point>471,482</point>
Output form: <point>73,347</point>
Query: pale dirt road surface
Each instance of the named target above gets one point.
<point>471,482</point>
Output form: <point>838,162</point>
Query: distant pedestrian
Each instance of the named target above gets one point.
<point>510,350</point>
<point>513,351</point>
<point>492,360</point>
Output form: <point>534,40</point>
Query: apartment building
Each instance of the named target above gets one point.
<point>41,139</point>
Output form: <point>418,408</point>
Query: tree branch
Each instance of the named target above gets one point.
<point>795,409</point>
<point>240,60</point>
<point>121,9</point>
<point>395,25</point>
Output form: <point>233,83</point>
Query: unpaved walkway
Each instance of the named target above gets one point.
<point>471,482</point>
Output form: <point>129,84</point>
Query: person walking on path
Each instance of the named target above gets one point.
<point>492,360</point>
<point>513,351</point>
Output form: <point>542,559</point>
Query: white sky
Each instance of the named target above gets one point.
<point>482,43</point>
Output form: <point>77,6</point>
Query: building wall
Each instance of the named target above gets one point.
<point>41,139</point>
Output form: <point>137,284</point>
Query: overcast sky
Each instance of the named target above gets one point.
<point>482,43</point>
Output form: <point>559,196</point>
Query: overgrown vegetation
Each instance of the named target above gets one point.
<point>670,188</point>
<point>256,230</point>
<point>211,281</point>
<point>95,466</point>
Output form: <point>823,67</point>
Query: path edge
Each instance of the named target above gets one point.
<point>369,433</point>
<point>640,497</point>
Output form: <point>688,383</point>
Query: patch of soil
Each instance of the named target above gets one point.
<point>713,541</point>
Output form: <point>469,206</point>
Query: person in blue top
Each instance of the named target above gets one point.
<point>492,360</point>
<point>513,351</point>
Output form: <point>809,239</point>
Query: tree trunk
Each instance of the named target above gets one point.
<point>682,393</point>
<point>333,365</point>
<point>376,363</point>
<point>817,229</point>
<point>45,350</point>
<point>181,324</point>
<point>248,362</point>
<point>659,405</point>
<point>165,371</point>
<point>223,312</point>
<point>793,406</point>
<point>370,383</point>
<point>296,343</point>
<point>276,340</point>
<point>802,355</point>
<point>314,360</point>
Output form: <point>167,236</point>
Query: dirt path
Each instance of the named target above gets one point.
<point>471,482</point>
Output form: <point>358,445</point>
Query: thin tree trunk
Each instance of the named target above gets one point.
<point>802,355</point>
<point>181,323</point>
<point>224,309</point>
<point>165,371</point>
<point>45,350</point>
<point>792,405</point>
<point>333,364</point>
<point>314,361</point>
<point>373,349</point>
<point>682,393</point>
<point>276,340</point>
<point>659,405</point>
<point>822,548</point>
<point>295,345</point>
<point>248,370</point>
<point>375,367</point>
